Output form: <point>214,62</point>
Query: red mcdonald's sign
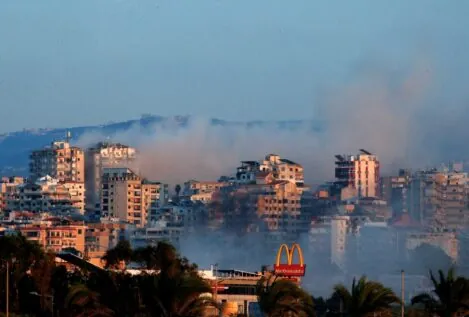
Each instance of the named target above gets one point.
<point>290,269</point>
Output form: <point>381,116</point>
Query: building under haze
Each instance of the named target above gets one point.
<point>60,160</point>
<point>105,155</point>
<point>279,169</point>
<point>202,191</point>
<point>360,172</point>
<point>130,198</point>
<point>440,198</point>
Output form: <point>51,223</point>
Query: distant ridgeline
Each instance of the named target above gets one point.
<point>15,147</point>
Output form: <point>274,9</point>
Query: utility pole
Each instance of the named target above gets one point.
<point>402,292</point>
<point>216,281</point>
<point>8,291</point>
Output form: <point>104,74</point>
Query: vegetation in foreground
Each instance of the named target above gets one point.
<point>40,287</point>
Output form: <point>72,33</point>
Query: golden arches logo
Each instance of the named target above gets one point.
<point>290,253</point>
<point>290,268</point>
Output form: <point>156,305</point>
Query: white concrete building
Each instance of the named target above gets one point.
<point>47,194</point>
<point>105,155</point>
<point>155,232</point>
<point>359,171</point>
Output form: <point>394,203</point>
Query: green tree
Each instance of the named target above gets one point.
<point>20,254</point>
<point>450,296</point>
<point>41,272</point>
<point>366,298</point>
<point>121,252</point>
<point>177,289</point>
<point>60,281</point>
<point>280,297</point>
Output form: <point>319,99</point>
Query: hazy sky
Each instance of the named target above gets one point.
<point>67,63</point>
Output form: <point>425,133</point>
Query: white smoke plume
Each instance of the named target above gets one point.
<point>377,111</point>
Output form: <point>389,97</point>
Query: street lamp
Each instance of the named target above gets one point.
<point>215,266</point>
<point>7,282</point>
<point>45,296</point>
<point>402,292</point>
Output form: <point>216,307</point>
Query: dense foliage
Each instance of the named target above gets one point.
<point>171,287</point>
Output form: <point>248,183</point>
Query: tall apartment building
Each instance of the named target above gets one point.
<point>440,199</point>
<point>452,191</point>
<point>61,161</point>
<point>360,172</point>
<point>105,155</point>
<point>273,209</point>
<point>128,197</point>
<point>47,195</point>
<point>395,191</point>
<point>339,231</point>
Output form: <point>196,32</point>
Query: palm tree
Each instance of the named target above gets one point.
<point>366,298</point>
<point>450,296</point>
<point>175,294</point>
<point>82,302</point>
<point>283,298</point>
<point>177,289</point>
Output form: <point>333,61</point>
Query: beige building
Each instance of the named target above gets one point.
<point>272,168</point>
<point>8,189</point>
<point>283,169</point>
<point>273,209</point>
<point>105,155</point>
<point>128,197</point>
<point>55,236</point>
<point>61,161</point>
<point>359,171</point>
<point>100,237</point>
<point>76,193</point>
<point>439,199</point>
<point>47,194</point>
<point>452,199</point>
<point>200,190</point>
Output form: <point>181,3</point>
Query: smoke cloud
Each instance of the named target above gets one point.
<point>379,109</point>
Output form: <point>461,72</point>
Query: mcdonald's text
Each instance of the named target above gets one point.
<point>290,269</point>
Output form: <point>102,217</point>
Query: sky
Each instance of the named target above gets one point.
<point>72,63</point>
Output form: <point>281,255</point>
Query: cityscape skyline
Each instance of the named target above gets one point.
<point>234,158</point>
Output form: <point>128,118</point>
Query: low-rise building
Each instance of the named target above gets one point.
<point>8,187</point>
<point>201,190</point>
<point>56,234</point>
<point>447,241</point>
<point>47,194</point>
<point>155,232</point>
<point>100,237</point>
